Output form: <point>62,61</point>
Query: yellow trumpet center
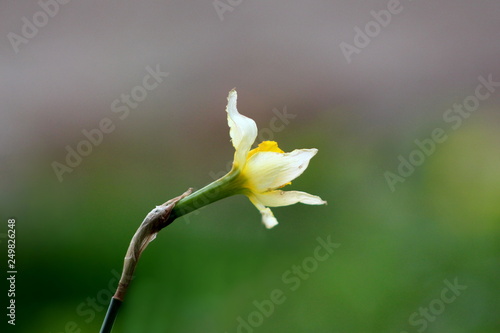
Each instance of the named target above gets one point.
<point>271,146</point>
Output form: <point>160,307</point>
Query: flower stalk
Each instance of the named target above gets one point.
<point>157,219</point>
<point>224,187</point>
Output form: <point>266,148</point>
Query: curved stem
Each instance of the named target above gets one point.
<point>157,219</point>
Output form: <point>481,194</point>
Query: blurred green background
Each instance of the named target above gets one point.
<point>398,250</point>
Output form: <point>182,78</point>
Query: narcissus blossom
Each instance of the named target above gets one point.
<point>258,173</point>
<point>263,171</point>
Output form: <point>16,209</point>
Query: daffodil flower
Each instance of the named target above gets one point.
<point>258,173</point>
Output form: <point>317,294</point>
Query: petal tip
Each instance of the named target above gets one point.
<point>319,201</point>
<point>268,218</point>
<point>271,224</point>
<point>313,151</point>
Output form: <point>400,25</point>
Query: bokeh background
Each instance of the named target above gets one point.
<point>397,247</point>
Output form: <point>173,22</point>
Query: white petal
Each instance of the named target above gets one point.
<point>267,215</point>
<point>267,171</point>
<point>286,198</point>
<point>268,218</point>
<point>243,130</point>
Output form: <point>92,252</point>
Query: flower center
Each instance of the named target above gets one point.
<point>271,146</point>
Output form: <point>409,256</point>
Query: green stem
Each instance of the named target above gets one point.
<point>109,320</point>
<point>222,188</point>
<point>159,218</point>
